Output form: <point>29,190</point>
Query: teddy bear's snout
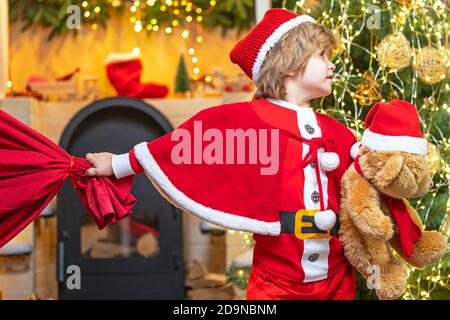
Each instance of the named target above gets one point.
<point>424,184</point>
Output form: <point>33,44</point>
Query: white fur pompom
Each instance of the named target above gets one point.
<point>329,161</point>
<point>325,220</point>
<point>354,151</point>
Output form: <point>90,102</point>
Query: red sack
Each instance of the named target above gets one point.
<point>32,171</point>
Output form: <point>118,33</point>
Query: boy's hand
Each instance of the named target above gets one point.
<point>101,162</point>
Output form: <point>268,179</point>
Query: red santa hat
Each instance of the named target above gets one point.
<point>251,51</point>
<point>394,126</point>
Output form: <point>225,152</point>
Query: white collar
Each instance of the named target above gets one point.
<point>289,105</point>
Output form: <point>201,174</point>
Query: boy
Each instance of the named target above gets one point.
<point>290,206</point>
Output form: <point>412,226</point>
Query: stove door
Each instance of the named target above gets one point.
<point>139,257</point>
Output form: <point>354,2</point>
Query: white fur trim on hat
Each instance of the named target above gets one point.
<point>121,57</point>
<point>329,161</point>
<point>325,220</point>
<point>354,151</point>
<point>273,39</point>
<point>378,142</point>
<point>228,220</point>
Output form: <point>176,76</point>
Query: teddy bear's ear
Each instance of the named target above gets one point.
<point>390,170</point>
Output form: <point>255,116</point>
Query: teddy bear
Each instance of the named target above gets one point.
<point>375,217</point>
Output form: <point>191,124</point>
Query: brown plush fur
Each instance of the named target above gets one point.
<point>368,232</point>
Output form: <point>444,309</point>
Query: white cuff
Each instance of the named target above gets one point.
<point>121,165</point>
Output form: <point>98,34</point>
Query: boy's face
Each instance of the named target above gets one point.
<point>318,76</point>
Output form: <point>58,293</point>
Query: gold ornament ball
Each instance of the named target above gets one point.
<point>430,65</point>
<point>433,159</point>
<point>394,51</point>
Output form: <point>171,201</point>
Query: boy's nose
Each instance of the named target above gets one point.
<point>332,67</point>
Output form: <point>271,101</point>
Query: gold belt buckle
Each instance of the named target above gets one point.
<point>305,227</point>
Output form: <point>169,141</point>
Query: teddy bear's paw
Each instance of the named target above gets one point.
<point>428,250</point>
<point>393,279</point>
<point>377,226</point>
<point>391,293</point>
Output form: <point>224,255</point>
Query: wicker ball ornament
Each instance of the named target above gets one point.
<point>367,92</point>
<point>394,51</point>
<point>430,65</point>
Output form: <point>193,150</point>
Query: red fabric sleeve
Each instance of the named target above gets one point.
<point>135,165</point>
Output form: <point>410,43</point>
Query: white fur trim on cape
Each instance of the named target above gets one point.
<point>120,57</point>
<point>378,142</point>
<point>179,199</point>
<point>272,40</point>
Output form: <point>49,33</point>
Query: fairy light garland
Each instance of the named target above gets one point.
<point>427,20</point>
<point>177,13</point>
<point>185,18</point>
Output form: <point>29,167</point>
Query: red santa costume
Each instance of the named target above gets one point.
<point>292,212</point>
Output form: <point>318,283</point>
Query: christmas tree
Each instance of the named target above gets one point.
<point>182,82</point>
<point>387,50</point>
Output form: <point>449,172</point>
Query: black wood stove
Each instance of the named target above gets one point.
<point>139,257</point>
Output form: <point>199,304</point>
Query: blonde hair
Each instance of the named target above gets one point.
<point>291,54</point>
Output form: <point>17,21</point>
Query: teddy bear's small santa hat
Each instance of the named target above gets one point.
<point>392,127</point>
<point>251,51</point>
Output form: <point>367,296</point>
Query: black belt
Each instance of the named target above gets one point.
<point>301,223</point>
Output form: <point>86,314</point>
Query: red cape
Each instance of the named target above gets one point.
<point>235,196</point>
